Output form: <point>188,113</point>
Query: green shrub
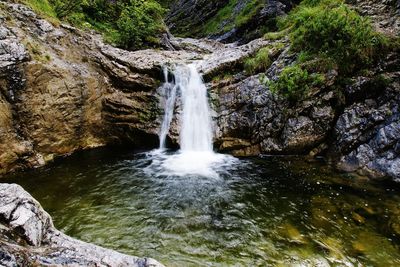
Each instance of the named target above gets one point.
<point>334,30</point>
<point>275,35</point>
<point>259,62</point>
<point>138,23</point>
<point>295,82</point>
<point>65,8</point>
<point>127,23</point>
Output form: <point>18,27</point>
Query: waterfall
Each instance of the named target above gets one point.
<point>196,157</point>
<point>196,131</point>
<point>169,91</point>
<point>196,128</point>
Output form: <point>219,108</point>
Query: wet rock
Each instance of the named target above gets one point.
<point>23,217</point>
<point>300,133</point>
<point>376,153</point>
<point>233,144</point>
<point>333,246</point>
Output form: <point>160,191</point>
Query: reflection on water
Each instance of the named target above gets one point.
<point>264,211</point>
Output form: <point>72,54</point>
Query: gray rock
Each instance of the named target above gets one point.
<point>368,134</point>
<point>45,26</point>
<point>301,133</point>
<point>11,53</point>
<point>4,32</point>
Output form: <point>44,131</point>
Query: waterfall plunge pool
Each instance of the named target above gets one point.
<point>272,211</point>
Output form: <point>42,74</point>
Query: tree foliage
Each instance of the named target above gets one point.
<point>64,8</point>
<point>130,24</point>
<point>139,22</point>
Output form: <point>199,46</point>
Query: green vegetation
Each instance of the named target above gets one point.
<point>235,19</point>
<point>332,29</point>
<point>248,12</point>
<point>43,8</point>
<point>64,8</point>
<point>139,23</point>
<point>326,34</point>
<point>275,35</point>
<point>294,83</point>
<point>130,24</point>
<point>259,62</point>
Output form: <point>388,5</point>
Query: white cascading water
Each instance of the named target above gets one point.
<point>196,131</point>
<point>196,156</point>
<point>169,91</point>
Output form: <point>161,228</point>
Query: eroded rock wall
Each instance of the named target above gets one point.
<point>50,92</point>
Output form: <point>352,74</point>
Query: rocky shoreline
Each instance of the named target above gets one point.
<point>28,238</point>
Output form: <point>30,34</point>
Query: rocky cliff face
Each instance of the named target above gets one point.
<point>28,237</point>
<point>227,20</point>
<point>360,127</point>
<point>51,95</point>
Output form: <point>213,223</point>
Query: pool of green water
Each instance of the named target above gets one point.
<point>270,211</point>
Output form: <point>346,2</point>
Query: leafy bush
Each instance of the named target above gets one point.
<point>139,22</point>
<point>65,8</point>
<point>294,83</point>
<point>259,62</point>
<point>127,23</point>
<point>334,30</point>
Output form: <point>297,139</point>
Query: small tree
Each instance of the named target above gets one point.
<point>140,22</point>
